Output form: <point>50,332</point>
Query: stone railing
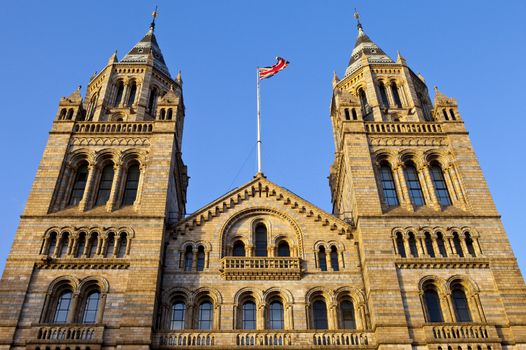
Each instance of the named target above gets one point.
<point>70,333</point>
<point>402,128</point>
<point>113,127</point>
<point>256,268</point>
<point>264,339</point>
<point>460,332</point>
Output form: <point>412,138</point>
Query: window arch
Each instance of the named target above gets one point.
<point>319,314</point>
<point>110,245</point>
<point>354,115</point>
<point>413,185</point>
<point>452,114</point>
<point>440,184</point>
<point>162,114</point>
<point>122,246</point>
<point>81,245</point>
<point>200,258</point>
<point>347,115</point>
<point>334,259</point>
<point>52,243</point>
<point>79,184</point>
<point>441,245</point>
<point>93,245</point>
<point>346,314</point>
<point>152,101</point>
<point>118,96</point>
<point>469,244</point>
<point>105,183</point>
<point>322,259</point>
<point>432,305</point>
<point>396,95</point>
<point>383,94</point>
<point>363,99</point>
<point>444,112</point>
<point>178,315</point>
<point>238,248</point>
<point>457,244</point>
<point>62,114</point>
<point>70,114</point>
<point>62,307</point>
<point>169,114</point>
<point>90,307</point>
<point>131,184</point>
<point>260,240</point>
<point>133,92</point>
<point>188,258</point>
<point>388,185</point>
<point>205,314</point>
<point>460,304</point>
<point>283,248</point>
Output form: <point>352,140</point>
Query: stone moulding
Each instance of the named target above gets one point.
<point>83,264</point>
<point>440,263</point>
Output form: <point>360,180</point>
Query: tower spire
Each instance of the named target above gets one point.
<point>357,17</point>
<point>154,16</point>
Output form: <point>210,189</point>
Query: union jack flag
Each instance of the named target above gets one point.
<point>267,72</point>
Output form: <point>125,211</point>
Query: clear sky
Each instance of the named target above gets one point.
<point>473,50</point>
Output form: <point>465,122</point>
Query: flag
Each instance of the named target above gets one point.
<point>267,72</point>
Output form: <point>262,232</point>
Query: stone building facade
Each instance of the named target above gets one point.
<point>414,255</point>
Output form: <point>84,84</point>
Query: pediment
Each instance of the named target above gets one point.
<point>258,187</point>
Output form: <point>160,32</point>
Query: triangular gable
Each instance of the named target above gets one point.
<point>257,187</point>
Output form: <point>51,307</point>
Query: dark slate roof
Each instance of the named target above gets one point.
<point>365,46</point>
<point>140,52</point>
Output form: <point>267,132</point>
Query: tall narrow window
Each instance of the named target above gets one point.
<point>283,249</point>
<point>62,308</point>
<point>133,92</point>
<point>238,249</point>
<point>178,315</point>
<point>81,245</point>
<point>413,185</point>
<point>169,114</point>
<point>334,259</point>
<point>110,245</point>
<point>388,185</point>
<point>452,114</point>
<point>469,244</point>
<point>249,315</point>
<point>92,106</point>
<point>261,240</point>
<point>94,242</point>
<point>446,117</point>
<point>319,313</point>
<point>276,315</point>
<point>412,245</point>
<point>52,244</point>
<point>205,315</point>
<point>363,100</point>
<point>458,245</point>
<point>90,308</point>
<point>440,185</point>
<point>429,245</point>
<point>434,311</point>
<point>347,115</point>
<point>396,95</point>
<point>131,185</point>
<point>400,245</point>
<point>383,95</point>
<point>354,115</point>
<point>322,259</point>
<point>441,245</point>
<point>123,244</point>
<point>347,318</point>
<point>106,179</point>
<point>152,100</point>
<point>118,96</point>
<point>64,245</point>
<point>188,259</point>
<point>79,184</point>
<point>200,258</point>
<point>460,305</point>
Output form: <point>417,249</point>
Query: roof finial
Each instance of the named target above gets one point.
<point>357,17</point>
<point>154,15</point>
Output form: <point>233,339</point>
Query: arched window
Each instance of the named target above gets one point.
<point>347,318</point>
<point>238,249</point>
<point>70,114</point>
<point>383,95</point>
<point>458,245</point>
<point>91,306</point>
<point>205,315</point>
<point>178,315</point>
<point>64,245</point>
<point>249,315</point>
<point>106,179</point>
<point>200,258</point>
<point>92,106</point>
<point>123,243</point>
<point>446,117</point>
<point>62,308</point>
<point>363,100</point>
<point>440,185</point>
<point>322,258</point>
<point>276,318</point>
<point>152,100</point>
<point>162,115</point>
<point>452,114</point>
<point>79,184</point>
<point>169,114</point>
<point>319,315</point>
<point>94,242</point>
<point>62,114</point>
<point>110,245</point>
<point>118,96</point>
<point>400,245</point>
<point>334,259</point>
<point>460,304</point>
<point>433,309</point>
<point>283,249</point>
<point>261,240</point>
<point>354,115</point>
<point>396,95</point>
<point>133,92</point>
<point>347,115</point>
<point>413,185</point>
<point>131,185</point>
<point>388,185</point>
<point>52,244</point>
<point>81,245</point>
<point>188,258</point>
<point>412,245</point>
<point>429,245</point>
<point>441,245</point>
<point>469,244</point>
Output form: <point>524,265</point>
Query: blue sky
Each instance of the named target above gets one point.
<point>473,50</point>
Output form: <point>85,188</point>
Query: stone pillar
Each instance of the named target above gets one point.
<point>435,246</point>
<point>84,202</point>
<point>100,309</point>
<point>142,171</point>
<point>433,200</point>
<point>405,199</point>
<point>406,246</point>
<point>73,308</point>
<point>115,184</point>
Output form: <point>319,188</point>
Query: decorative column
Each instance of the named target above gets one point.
<point>100,309</point>
<point>331,316</point>
<point>142,169</point>
<point>59,243</point>
<point>422,251</point>
<point>111,203</point>
<point>405,200</point>
<point>73,308</point>
<point>194,259</point>
<point>64,186</point>
<point>83,204</point>
<point>433,200</point>
<point>451,246</point>
<point>453,175</point>
<point>435,246</point>
<point>260,317</point>
<point>406,246</point>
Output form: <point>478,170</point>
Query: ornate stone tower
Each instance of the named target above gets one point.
<point>111,180</point>
<point>437,265</point>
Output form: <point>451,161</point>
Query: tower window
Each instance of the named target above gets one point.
<point>249,315</point>
<point>446,117</point>
<point>152,101</point>
<point>178,313</point>
<point>334,259</point>
<point>469,244</point>
<point>432,301</point>
<point>120,90</point>
<point>52,244</point>
<point>200,258</point>
<point>413,185</point>
<point>62,309</point>
<point>440,185</point>
<point>452,114</point>
<point>383,95</point>
<point>458,245</point>
<point>441,245</point>
<point>132,183</point>
<point>70,114</point>
<point>162,115</point>
<point>169,114</point>
<point>460,305</point>
<point>188,259</point>
<point>388,186</point>
<point>238,249</point>
<point>93,245</point>
<point>110,245</point>
<point>322,258</point>
<point>81,245</point>
<point>347,115</point>
<point>92,106</point>
<point>90,307</point>
<point>412,245</point>
<point>354,115</point>
<point>319,313</point>
<point>347,317</point>
<point>64,245</point>
<point>283,249</point>
<point>261,240</point>
<point>363,100</point>
<point>133,92</point>
<point>79,185</point>
<point>106,180</point>
<point>396,95</point>
<point>123,244</point>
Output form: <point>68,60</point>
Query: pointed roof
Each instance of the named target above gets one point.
<point>145,49</point>
<point>364,46</point>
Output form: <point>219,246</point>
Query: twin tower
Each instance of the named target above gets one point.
<point>413,256</point>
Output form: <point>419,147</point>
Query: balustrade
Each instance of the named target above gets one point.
<point>113,127</point>
<point>261,267</point>
<point>69,333</point>
<point>386,127</point>
<point>460,332</point>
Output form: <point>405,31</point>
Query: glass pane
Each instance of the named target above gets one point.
<point>106,179</point>
<point>205,316</point>
<point>413,185</point>
<point>239,249</point>
<point>121,251</point>
<point>429,245</point>
<point>79,184</point>
<point>334,259</point>
<point>400,245</point>
<point>323,259</point>
<point>388,186</point>
<point>188,260</point>
<point>461,306</point>
<point>440,186</point>
<point>81,246</point>
<point>178,313</point>
<point>320,315</point>
<point>441,245</point>
<point>276,317</point>
<point>434,311</point>
<point>261,240</point>
<point>64,245</point>
<point>283,249</point>
<point>90,309</point>
<point>132,182</point>
<point>347,315</point>
<point>200,259</point>
<point>249,315</point>
<point>62,309</point>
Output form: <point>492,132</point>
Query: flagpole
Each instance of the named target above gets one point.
<point>258,122</point>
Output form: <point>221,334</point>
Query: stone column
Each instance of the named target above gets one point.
<point>433,200</point>
<point>73,308</point>
<point>406,246</point>
<point>84,202</point>
<point>142,171</point>
<point>100,308</point>
<point>405,199</point>
<point>111,203</point>
<point>435,246</point>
